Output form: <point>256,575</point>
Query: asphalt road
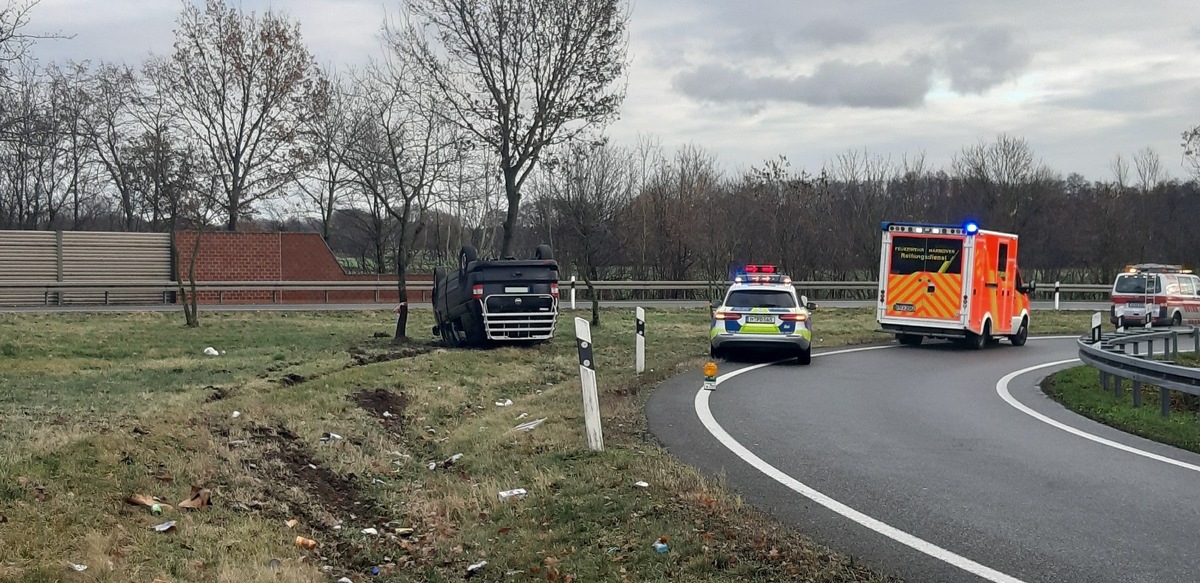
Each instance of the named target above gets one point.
<point>581,305</point>
<point>919,439</point>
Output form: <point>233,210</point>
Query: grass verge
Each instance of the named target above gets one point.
<point>1079,390</point>
<point>99,407</point>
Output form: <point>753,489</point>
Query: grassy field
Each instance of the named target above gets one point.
<point>1079,390</point>
<point>97,408</point>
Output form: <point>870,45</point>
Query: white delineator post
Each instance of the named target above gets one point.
<point>572,292</point>
<point>1056,295</point>
<point>640,340</point>
<point>1097,332</point>
<point>587,376</point>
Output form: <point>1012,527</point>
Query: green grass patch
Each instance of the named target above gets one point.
<point>1079,390</point>
<point>98,407</point>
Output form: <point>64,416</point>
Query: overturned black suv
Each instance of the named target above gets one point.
<point>496,301</point>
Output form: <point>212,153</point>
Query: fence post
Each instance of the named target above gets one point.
<point>1196,337</point>
<point>1137,393</point>
<point>1164,398</point>
<point>587,376</point>
<point>1117,388</point>
<point>1174,345</point>
<point>1104,380</point>
<point>640,341</point>
<point>1056,285</point>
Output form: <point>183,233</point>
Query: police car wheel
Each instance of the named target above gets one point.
<point>804,357</point>
<point>715,352</point>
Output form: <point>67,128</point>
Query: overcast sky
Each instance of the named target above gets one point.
<point>750,80</point>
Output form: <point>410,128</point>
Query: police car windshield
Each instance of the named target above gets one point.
<point>1136,284</point>
<point>760,298</point>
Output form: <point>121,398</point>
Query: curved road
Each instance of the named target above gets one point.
<point>913,460</point>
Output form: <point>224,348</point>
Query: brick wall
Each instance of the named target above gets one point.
<point>225,256</point>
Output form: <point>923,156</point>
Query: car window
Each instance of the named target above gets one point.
<point>1136,284</point>
<point>1188,286</point>
<point>760,298</point>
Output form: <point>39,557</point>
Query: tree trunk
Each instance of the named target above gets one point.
<point>586,271</point>
<point>402,297</point>
<point>514,206</point>
<point>189,301</point>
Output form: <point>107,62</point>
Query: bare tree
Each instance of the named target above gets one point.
<point>322,179</point>
<point>587,192</point>
<point>1120,169</point>
<point>242,86</point>
<point>519,76</point>
<point>1149,168</point>
<point>399,151</point>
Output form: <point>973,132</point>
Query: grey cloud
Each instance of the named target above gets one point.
<point>983,58</point>
<point>834,83</point>
<point>831,33</point>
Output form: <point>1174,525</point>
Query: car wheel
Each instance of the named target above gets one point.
<point>468,254</point>
<point>805,356</point>
<point>910,339</point>
<point>978,341</point>
<point>715,352</point>
<point>1022,334</point>
<point>1177,319</point>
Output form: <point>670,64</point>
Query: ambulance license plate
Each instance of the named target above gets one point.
<point>752,319</point>
<point>1135,305</point>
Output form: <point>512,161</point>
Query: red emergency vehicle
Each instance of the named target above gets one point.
<point>1163,295</point>
<point>951,281</point>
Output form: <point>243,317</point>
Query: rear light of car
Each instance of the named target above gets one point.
<point>793,317</point>
<point>477,291</point>
<point>554,289</point>
<point>727,315</point>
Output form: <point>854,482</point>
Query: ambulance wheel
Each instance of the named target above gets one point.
<point>1177,320</point>
<point>1022,334</point>
<point>910,339</point>
<point>804,356</point>
<point>978,341</point>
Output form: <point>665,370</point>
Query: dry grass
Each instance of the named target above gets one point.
<point>99,407</point>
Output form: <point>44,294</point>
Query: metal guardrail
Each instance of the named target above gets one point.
<point>1110,354</point>
<point>51,287</point>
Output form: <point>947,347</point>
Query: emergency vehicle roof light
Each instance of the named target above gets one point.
<point>972,228</point>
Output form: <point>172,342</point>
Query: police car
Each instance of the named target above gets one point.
<point>762,312</point>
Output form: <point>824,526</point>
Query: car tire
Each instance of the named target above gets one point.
<point>467,255</point>
<point>978,341</point>
<point>804,357</point>
<point>1022,334</point>
<point>714,352</point>
<point>1177,319</point>
<point>910,339</point>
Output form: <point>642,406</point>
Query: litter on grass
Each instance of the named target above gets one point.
<point>164,527</point>
<point>514,493</point>
<point>210,351</point>
<point>504,403</point>
<point>78,568</point>
<point>473,569</point>
<point>641,484</point>
<point>330,437</point>
<point>530,426</point>
<point>200,498</point>
<point>370,531</point>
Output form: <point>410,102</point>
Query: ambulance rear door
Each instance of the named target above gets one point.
<point>924,280</point>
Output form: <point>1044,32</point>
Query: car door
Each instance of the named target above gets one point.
<point>1191,299</point>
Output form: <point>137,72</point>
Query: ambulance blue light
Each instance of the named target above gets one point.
<point>972,228</point>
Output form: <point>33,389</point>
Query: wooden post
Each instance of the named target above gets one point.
<point>587,375</point>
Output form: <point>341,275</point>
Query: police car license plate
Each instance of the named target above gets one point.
<point>752,319</point>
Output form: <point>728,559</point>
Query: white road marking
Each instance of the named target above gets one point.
<point>1002,390</point>
<point>919,544</point>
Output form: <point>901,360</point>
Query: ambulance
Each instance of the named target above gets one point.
<point>1155,294</point>
<point>951,281</point>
